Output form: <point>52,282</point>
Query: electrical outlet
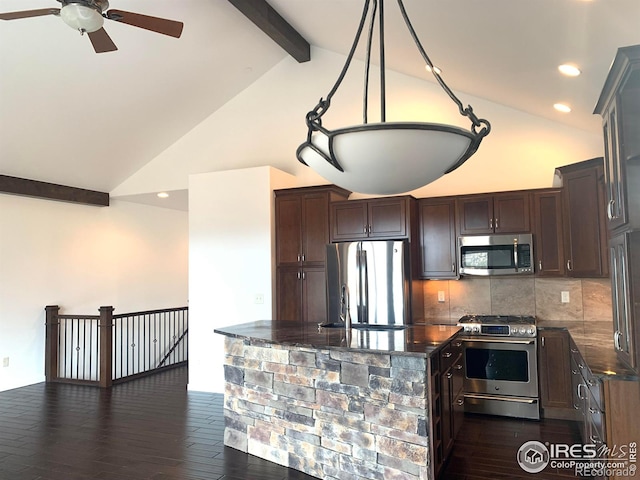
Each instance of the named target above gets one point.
<point>440,296</point>
<point>564,297</point>
<point>258,298</point>
<point>5,362</point>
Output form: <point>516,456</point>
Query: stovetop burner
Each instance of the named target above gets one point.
<point>499,325</point>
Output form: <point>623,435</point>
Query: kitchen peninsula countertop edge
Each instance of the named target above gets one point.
<point>415,339</point>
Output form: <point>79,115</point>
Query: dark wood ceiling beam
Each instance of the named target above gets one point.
<point>276,27</point>
<point>52,191</point>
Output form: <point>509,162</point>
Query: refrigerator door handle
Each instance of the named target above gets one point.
<point>364,275</point>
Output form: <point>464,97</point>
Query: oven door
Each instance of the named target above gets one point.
<point>501,366</point>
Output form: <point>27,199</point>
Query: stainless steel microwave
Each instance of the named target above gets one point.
<point>496,254</point>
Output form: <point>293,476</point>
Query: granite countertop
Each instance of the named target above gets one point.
<point>594,339</point>
<point>418,339</point>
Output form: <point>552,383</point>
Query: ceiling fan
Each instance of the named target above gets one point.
<point>88,16</point>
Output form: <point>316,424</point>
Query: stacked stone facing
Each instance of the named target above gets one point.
<point>331,413</point>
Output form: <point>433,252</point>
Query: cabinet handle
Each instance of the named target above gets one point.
<point>578,392</point>
<point>299,275</point>
<point>593,411</point>
<point>460,401</point>
<point>491,223</point>
<point>457,344</point>
<point>302,257</point>
<point>369,229</point>
<point>304,276</point>
<point>449,375</point>
<point>569,267</point>
<point>610,214</point>
<point>542,341</point>
<point>616,340</point>
<point>447,354</point>
<point>496,223</point>
<point>298,257</point>
<point>574,350</point>
<point>576,407</point>
<point>540,265</point>
<point>453,267</point>
<point>458,366</point>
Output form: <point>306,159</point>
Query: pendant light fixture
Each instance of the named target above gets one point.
<point>387,158</point>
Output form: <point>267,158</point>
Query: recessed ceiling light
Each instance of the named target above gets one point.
<point>163,195</point>
<point>561,107</point>
<point>435,69</point>
<point>569,70</point>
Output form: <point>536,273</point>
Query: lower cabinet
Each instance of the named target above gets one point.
<point>302,294</point>
<point>587,400</point>
<point>447,401</point>
<point>554,363</point>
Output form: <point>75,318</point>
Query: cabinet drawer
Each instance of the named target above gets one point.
<point>451,354</point>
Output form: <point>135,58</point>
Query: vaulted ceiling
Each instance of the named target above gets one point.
<point>71,116</point>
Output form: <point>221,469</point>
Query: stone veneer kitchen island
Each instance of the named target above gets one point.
<point>331,403</point>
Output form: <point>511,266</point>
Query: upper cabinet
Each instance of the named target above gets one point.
<point>583,213</point>
<point>379,218</point>
<point>548,243</point>
<point>507,212</point>
<point>437,238</point>
<point>619,106</point>
<point>302,224</point>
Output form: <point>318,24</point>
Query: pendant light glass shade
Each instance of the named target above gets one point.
<point>387,158</point>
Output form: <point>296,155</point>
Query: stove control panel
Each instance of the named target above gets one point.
<point>525,331</point>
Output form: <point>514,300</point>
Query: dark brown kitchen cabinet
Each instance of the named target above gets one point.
<point>548,248</point>
<point>379,218</point>
<point>507,212</point>
<point>302,224</point>
<point>446,400</point>
<point>585,231</point>
<point>619,106</point>
<point>302,233</point>
<point>624,250</point>
<point>437,238</point>
<point>554,361</point>
<point>301,294</point>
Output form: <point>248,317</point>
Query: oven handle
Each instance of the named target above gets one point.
<point>498,397</point>
<point>499,340</point>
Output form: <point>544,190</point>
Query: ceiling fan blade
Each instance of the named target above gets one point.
<point>155,24</point>
<point>29,13</point>
<point>101,41</point>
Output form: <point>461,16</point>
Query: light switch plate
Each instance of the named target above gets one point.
<point>564,297</point>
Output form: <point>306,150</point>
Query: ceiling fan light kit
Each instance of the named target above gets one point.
<point>82,17</point>
<point>88,16</point>
<point>386,158</point>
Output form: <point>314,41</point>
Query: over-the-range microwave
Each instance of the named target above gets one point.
<point>498,254</point>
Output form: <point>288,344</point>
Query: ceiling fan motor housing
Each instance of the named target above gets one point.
<point>83,15</point>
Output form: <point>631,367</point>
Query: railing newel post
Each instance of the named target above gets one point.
<point>52,330</point>
<point>105,327</point>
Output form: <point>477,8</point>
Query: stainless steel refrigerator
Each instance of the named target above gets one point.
<point>369,281</point>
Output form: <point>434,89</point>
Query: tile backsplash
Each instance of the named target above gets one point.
<point>589,298</point>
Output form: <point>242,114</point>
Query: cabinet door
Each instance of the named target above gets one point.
<point>438,238</point>
<point>387,218</point>
<point>314,295</point>
<point>585,234</point>
<point>348,221</point>
<point>555,370</point>
<point>289,294</point>
<point>548,243</point>
<point>475,214</point>
<point>288,230</point>
<point>621,293</point>
<point>315,232</point>
<point>614,173</point>
<point>511,213</point>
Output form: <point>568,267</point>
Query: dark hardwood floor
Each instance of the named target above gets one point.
<point>153,429</point>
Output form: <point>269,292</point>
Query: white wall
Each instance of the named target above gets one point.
<point>264,125</point>
<point>131,256</point>
<point>231,252</point>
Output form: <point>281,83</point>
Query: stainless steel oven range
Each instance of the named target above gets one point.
<point>501,365</point>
